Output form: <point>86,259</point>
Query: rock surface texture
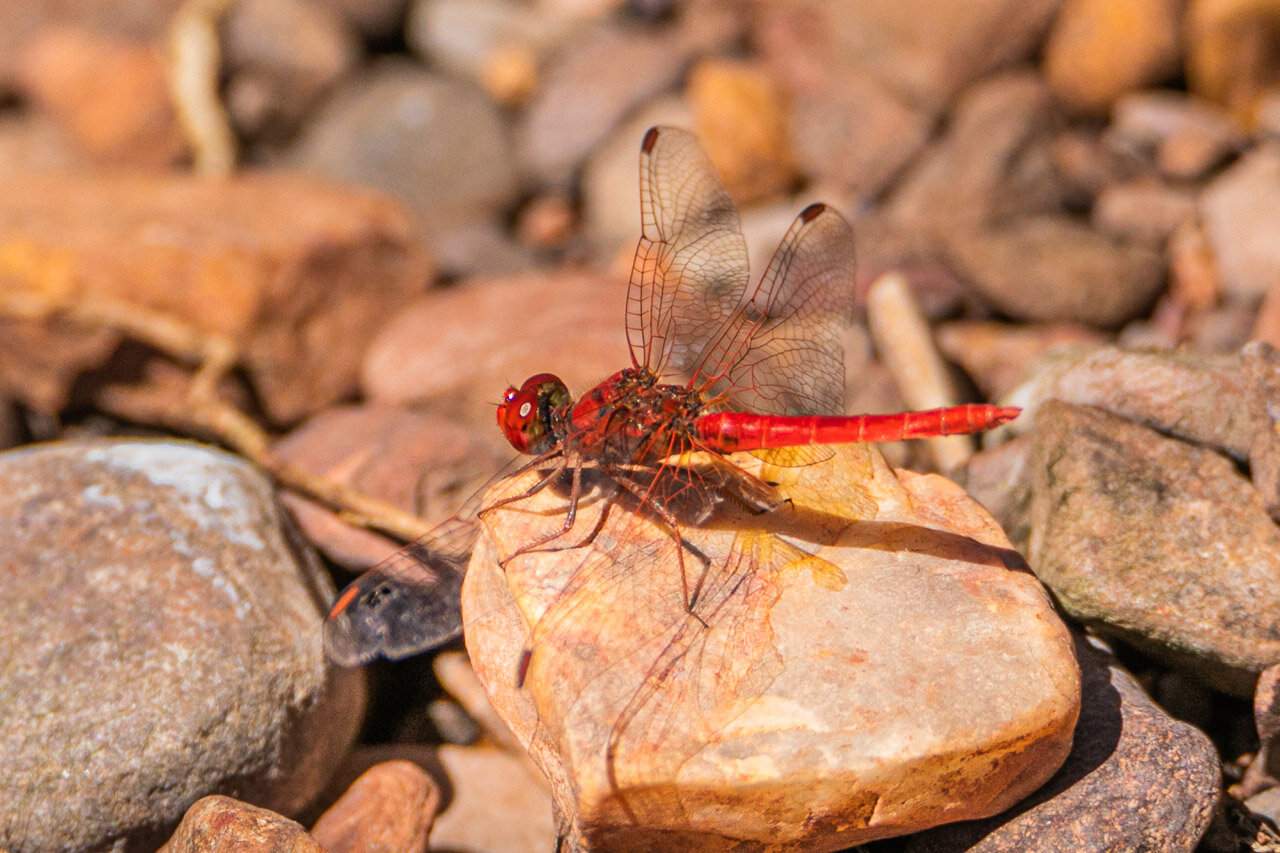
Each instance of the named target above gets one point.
<point>862,663</point>
<point>161,641</point>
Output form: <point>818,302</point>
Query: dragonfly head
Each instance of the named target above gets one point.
<point>532,416</point>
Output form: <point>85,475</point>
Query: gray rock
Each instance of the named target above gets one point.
<point>438,144</point>
<point>1157,541</point>
<point>161,642</point>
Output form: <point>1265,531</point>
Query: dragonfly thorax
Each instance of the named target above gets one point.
<point>631,417</point>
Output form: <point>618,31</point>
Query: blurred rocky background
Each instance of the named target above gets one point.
<point>326,234</point>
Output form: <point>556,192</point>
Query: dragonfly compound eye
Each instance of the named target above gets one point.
<point>531,416</point>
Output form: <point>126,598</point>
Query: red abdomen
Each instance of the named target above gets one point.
<point>730,431</point>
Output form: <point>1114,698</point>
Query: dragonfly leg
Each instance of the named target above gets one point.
<point>571,517</point>
<point>547,480</point>
<point>641,492</point>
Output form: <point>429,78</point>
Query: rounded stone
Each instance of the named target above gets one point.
<point>160,641</point>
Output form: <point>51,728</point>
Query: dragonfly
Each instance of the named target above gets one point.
<point>760,369</point>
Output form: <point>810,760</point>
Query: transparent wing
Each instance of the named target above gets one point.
<point>781,351</point>
<point>690,268</point>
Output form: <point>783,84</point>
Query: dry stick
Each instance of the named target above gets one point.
<point>902,336</point>
<point>194,60</point>
<point>203,410</point>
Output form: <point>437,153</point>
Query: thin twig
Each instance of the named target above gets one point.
<point>902,336</point>
<point>194,63</point>
<point>203,411</point>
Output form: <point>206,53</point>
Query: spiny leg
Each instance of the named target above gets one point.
<point>643,494</point>
<point>571,515</point>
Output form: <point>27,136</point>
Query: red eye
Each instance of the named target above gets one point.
<point>529,416</point>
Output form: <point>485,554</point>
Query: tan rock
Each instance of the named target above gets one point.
<point>877,671</point>
<point>220,824</point>
<point>1100,49</point>
<point>1055,269</point>
<point>991,164</point>
<point>297,274</point>
<point>467,344</point>
<point>21,23</point>
<point>1144,210</point>
<point>1230,58</point>
<point>1240,210</point>
<point>926,49</point>
<point>32,142</point>
<point>597,77</point>
<point>610,192</point>
<point>1137,779</point>
<point>741,120</point>
<point>110,96</point>
<point>390,807</point>
<point>497,805</point>
<point>851,129</point>
<point>439,145</point>
<point>996,356</point>
<point>418,462</point>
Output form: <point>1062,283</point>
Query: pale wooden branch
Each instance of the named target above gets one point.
<point>194,63</point>
<point>203,411</point>
<point>902,337</point>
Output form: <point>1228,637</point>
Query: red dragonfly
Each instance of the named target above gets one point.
<point>764,368</point>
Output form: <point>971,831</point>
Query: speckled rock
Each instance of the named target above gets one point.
<point>1157,541</point>
<point>1208,399</point>
<point>161,642</point>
